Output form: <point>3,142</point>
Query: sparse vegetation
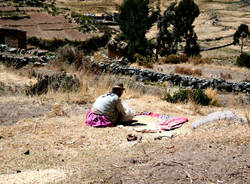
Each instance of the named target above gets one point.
<point>197,96</point>
<point>174,59</point>
<point>225,76</point>
<point>188,71</point>
<point>87,47</point>
<point>197,60</point>
<point>244,60</point>
<point>212,94</point>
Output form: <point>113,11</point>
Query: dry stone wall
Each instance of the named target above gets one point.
<point>179,80</point>
<point>21,57</point>
<point>119,67</point>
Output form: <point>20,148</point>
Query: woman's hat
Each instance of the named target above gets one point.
<point>118,86</point>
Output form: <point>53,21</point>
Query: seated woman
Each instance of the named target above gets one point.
<point>107,110</point>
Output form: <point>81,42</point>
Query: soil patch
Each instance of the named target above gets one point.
<point>12,112</point>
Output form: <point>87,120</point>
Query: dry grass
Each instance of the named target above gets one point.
<point>61,147</point>
<point>197,61</point>
<point>247,116</point>
<point>188,71</point>
<point>174,59</point>
<point>8,75</point>
<point>212,94</point>
<point>225,76</point>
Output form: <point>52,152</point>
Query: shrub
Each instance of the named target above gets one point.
<point>211,93</point>
<point>145,61</point>
<point>199,97</point>
<point>178,96</point>
<point>183,58</point>
<point>183,95</point>
<point>70,55</point>
<point>88,46</point>
<point>244,60</point>
<point>173,59</point>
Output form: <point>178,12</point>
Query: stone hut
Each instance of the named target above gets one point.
<point>13,38</point>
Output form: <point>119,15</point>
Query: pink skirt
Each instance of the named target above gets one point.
<point>96,120</point>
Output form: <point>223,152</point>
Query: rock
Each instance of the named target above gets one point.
<point>27,152</point>
<point>41,53</point>
<point>37,63</point>
<point>43,59</point>
<point>132,161</point>
<point>12,50</point>
<point>3,47</point>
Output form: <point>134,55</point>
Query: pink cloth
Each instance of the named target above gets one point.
<point>167,122</point>
<point>96,120</point>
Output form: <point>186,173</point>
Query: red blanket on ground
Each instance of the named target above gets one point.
<point>166,122</point>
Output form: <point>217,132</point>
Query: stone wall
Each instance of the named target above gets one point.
<point>179,80</point>
<point>141,75</point>
<point>13,38</point>
<point>18,58</point>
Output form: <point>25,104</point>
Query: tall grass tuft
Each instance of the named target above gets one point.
<point>212,94</point>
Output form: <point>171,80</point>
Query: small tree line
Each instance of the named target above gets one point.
<point>175,29</point>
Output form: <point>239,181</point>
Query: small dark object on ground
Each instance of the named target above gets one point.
<point>132,161</point>
<point>131,137</point>
<point>18,171</point>
<point>27,152</point>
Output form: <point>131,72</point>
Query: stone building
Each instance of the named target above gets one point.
<point>13,38</point>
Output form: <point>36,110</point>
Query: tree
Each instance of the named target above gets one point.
<point>175,25</point>
<point>135,19</point>
<point>241,35</point>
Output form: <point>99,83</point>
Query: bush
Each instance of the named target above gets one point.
<point>244,60</point>
<point>178,96</point>
<point>211,93</point>
<point>183,95</point>
<point>199,97</point>
<point>183,58</point>
<point>173,59</point>
<point>70,55</point>
<point>145,61</point>
<point>88,46</point>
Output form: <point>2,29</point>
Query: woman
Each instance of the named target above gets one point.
<point>107,109</point>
